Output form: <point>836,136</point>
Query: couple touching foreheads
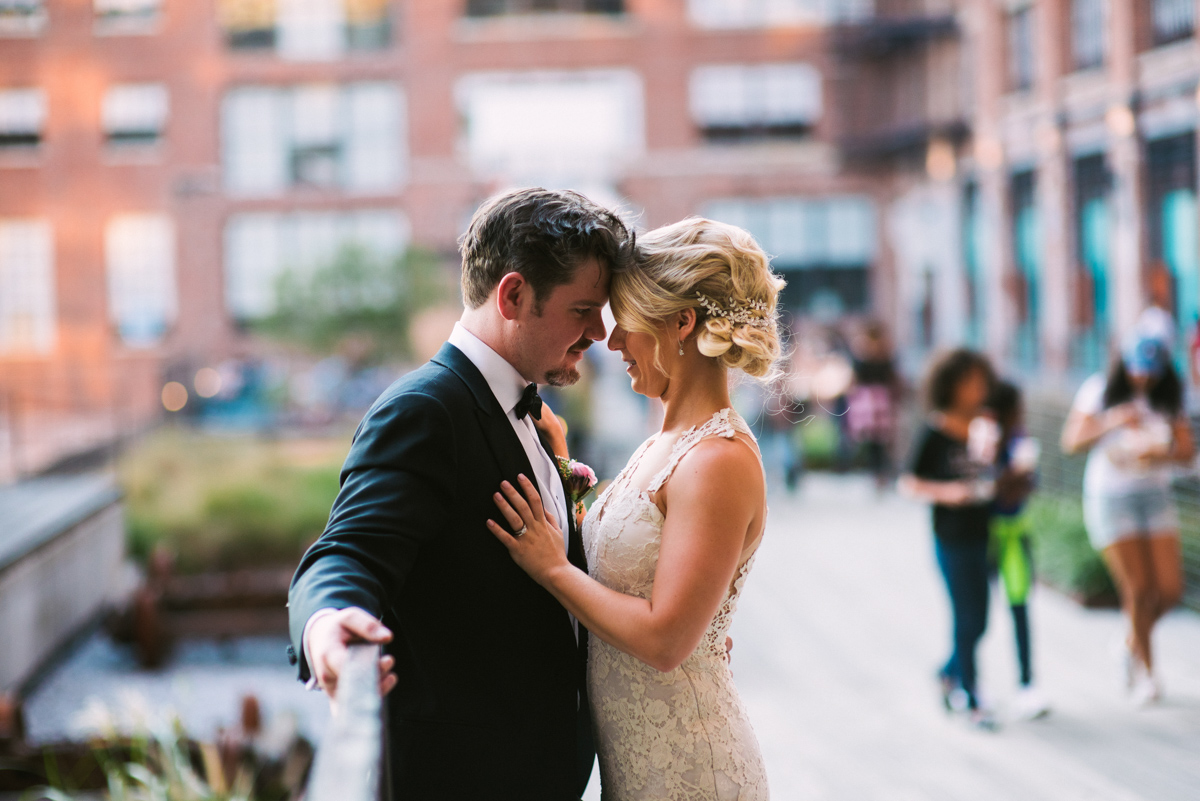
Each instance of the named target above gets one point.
<point>521,636</point>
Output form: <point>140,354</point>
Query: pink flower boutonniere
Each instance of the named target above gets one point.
<point>580,480</point>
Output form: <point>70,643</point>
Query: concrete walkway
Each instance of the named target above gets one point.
<point>842,625</point>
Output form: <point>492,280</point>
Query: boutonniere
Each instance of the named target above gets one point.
<point>579,479</point>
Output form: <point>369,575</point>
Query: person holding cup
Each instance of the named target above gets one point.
<point>952,469</point>
<point>1132,425</point>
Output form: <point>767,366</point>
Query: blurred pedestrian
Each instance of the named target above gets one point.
<point>1132,425</point>
<point>951,468</point>
<point>1011,541</point>
<point>871,414</point>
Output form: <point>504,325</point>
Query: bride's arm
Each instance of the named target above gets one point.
<point>714,495</point>
<point>552,427</point>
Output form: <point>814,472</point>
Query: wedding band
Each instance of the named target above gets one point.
<point>520,532</point>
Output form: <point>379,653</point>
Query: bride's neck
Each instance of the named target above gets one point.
<point>694,397</point>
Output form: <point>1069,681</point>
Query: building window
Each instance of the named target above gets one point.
<point>306,30</point>
<point>831,239</point>
<point>134,114</point>
<point>248,24</point>
<point>1172,20</point>
<point>495,8</point>
<point>316,146</point>
<point>730,102</point>
<point>22,118</point>
<point>140,255</point>
<point>1025,285</point>
<point>1092,312</point>
<point>127,16</point>
<point>1021,49</point>
<point>325,136</point>
<point>1171,216</point>
<point>575,129</point>
<point>1089,23</point>
<point>22,17</point>
<point>261,248</point>
<point>775,13</point>
<point>974,243</point>
<point>27,317</point>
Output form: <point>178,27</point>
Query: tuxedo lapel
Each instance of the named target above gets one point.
<point>502,440</point>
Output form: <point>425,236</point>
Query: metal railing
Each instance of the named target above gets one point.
<point>350,764</point>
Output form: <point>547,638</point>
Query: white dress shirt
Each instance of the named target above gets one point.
<point>507,386</point>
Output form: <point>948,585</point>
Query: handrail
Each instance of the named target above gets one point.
<point>349,763</point>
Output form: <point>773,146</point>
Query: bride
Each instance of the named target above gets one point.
<point>670,542</point>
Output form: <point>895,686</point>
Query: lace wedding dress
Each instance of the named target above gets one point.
<point>678,736</point>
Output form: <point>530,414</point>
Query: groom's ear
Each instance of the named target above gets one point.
<point>512,291</point>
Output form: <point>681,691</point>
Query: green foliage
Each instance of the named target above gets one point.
<point>358,296</point>
<point>1063,556</point>
<point>817,438</point>
<point>222,503</point>
<point>157,768</point>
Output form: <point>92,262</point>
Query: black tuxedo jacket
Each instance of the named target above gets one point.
<point>491,701</point>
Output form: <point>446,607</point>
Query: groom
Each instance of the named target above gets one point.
<point>489,699</point>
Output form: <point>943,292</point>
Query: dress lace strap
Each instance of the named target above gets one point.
<point>725,423</point>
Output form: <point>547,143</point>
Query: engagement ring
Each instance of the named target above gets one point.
<point>520,532</point>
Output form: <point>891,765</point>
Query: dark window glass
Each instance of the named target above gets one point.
<point>19,139</point>
<point>1020,49</point>
<point>494,8</point>
<point>1087,33</point>
<point>1171,213</point>
<point>1092,308</point>
<point>1026,277</point>
<point>972,240</point>
<point>1172,20</point>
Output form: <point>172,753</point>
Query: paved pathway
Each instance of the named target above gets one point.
<point>841,627</point>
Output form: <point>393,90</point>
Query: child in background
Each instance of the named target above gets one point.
<point>1011,546</point>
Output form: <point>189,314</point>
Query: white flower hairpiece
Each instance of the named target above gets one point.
<point>752,312</point>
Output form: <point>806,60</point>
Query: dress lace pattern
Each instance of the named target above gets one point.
<point>678,736</point>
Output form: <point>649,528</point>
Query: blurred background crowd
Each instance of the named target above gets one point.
<point>226,226</point>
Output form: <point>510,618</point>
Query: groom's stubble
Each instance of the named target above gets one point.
<point>567,375</point>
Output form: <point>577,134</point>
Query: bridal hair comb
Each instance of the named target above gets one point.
<point>752,312</point>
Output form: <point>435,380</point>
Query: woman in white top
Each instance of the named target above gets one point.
<point>1132,425</point>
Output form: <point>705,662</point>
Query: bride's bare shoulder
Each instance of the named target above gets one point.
<point>724,465</point>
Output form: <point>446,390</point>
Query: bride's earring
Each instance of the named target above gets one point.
<point>681,347</point>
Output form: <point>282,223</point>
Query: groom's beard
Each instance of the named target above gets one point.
<point>566,376</point>
<point>562,376</point>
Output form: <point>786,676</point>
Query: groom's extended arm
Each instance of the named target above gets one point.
<point>396,486</point>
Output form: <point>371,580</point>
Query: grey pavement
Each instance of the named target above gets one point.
<point>842,625</point>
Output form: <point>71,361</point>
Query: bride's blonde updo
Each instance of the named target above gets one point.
<point>716,269</point>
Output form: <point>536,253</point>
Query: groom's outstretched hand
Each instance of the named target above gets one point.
<point>328,638</point>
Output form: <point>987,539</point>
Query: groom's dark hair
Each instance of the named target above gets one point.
<point>545,235</point>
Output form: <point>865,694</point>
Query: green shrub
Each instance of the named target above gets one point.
<point>223,503</point>
<point>817,438</point>
<point>1063,556</point>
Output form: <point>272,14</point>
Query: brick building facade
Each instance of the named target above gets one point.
<point>162,162</point>
<point>1071,203</point>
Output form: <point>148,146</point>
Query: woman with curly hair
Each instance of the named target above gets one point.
<point>950,471</point>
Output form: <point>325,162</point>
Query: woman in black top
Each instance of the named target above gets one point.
<point>946,474</point>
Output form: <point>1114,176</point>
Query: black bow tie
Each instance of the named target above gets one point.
<point>529,404</point>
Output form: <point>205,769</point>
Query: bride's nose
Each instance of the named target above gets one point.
<point>616,341</point>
